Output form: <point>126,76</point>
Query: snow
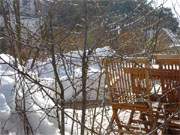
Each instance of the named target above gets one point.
<point>7,79</point>
<point>41,125</point>
<point>35,98</point>
<point>31,23</point>
<point>104,52</point>
<point>72,61</point>
<point>37,119</point>
<point>5,111</point>
<point>4,108</point>
<point>7,103</point>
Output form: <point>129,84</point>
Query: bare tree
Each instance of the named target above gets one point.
<point>63,47</point>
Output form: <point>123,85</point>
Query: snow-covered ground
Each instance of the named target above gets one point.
<point>14,85</point>
<point>70,72</point>
<point>10,122</point>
